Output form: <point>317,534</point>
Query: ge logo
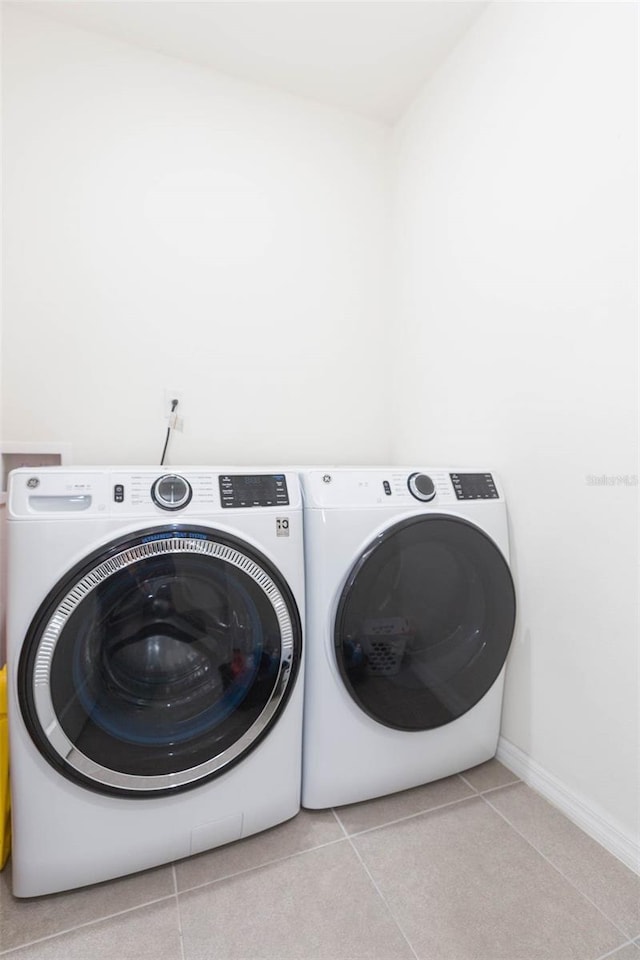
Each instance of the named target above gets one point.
<point>282,526</point>
<point>32,483</point>
<point>327,478</point>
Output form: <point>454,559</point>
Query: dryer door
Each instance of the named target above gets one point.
<point>160,661</point>
<point>425,622</point>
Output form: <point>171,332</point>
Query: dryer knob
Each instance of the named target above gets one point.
<point>421,486</point>
<point>171,492</point>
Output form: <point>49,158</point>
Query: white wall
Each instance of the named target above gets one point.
<point>516,240</point>
<point>167,227</point>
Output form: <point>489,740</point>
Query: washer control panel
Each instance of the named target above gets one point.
<point>253,490</point>
<point>147,492</point>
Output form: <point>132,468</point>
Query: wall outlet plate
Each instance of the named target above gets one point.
<point>168,396</point>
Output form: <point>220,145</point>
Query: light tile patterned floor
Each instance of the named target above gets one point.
<point>475,867</point>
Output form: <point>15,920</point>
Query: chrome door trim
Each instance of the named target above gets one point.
<point>51,634</point>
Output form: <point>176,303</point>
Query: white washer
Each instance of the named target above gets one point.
<point>155,661</point>
<point>410,614</point>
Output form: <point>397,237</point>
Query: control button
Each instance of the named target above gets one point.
<point>386,487</point>
<point>118,493</point>
<point>421,487</point>
<point>171,492</point>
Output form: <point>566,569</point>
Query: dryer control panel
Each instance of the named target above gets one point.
<point>474,486</point>
<point>344,487</point>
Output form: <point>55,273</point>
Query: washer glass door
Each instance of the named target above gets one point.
<point>160,661</point>
<point>424,622</point>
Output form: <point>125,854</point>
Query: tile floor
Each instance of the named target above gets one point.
<point>475,867</point>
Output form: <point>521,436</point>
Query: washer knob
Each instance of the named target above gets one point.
<point>171,492</point>
<point>421,487</point>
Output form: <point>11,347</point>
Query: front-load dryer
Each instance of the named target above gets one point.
<point>155,660</point>
<point>410,615</point>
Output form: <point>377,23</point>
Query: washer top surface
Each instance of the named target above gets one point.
<point>398,487</point>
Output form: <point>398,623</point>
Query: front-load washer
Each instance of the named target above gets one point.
<point>155,660</point>
<point>410,615</point>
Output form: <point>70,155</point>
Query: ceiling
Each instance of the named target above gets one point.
<point>368,57</point>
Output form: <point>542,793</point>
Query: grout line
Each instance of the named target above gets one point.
<point>176,894</point>
<point>558,871</point>
<point>479,792</point>
<point>87,923</point>
<point>503,786</point>
<point>464,780</point>
<point>612,953</point>
<point>175,879</point>
<point>383,898</point>
<point>412,816</point>
<point>341,824</point>
<point>259,866</point>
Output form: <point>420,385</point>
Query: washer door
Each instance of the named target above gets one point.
<point>425,622</point>
<point>159,662</point>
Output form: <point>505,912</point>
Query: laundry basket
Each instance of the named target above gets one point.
<point>384,642</point>
<point>5,803</point>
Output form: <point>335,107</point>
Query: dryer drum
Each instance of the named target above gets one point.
<point>424,622</point>
<point>160,661</point>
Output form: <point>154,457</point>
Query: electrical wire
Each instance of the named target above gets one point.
<point>172,423</point>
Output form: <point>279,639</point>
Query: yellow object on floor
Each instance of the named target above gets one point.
<point>5,801</point>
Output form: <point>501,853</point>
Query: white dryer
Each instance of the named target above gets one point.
<point>410,615</point>
<point>155,661</point>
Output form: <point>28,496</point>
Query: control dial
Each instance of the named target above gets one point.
<point>421,487</point>
<point>171,492</point>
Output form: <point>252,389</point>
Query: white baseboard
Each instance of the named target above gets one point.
<point>593,822</point>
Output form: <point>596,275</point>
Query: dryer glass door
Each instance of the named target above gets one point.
<point>425,622</point>
<point>160,661</point>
